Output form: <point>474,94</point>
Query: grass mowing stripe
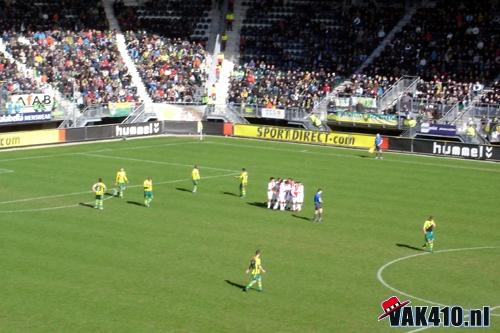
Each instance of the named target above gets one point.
<point>165,269</point>
<point>357,157</point>
<point>91,151</point>
<point>76,193</point>
<point>154,162</point>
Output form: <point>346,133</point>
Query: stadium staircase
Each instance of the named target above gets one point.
<point>122,48</point>
<point>231,52</point>
<point>404,86</point>
<point>219,109</point>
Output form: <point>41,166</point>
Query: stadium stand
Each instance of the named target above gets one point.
<point>173,69</point>
<point>313,41</point>
<point>67,44</point>
<point>258,83</point>
<point>455,41</point>
<point>492,96</point>
<point>166,39</point>
<point>451,46</point>
<point>31,15</point>
<point>12,80</point>
<point>85,66</point>
<point>185,19</point>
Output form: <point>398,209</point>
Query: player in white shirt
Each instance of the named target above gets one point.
<point>300,196</point>
<point>284,188</point>
<point>277,186</point>
<point>295,192</point>
<point>270,191</point>
<point>289,194</point>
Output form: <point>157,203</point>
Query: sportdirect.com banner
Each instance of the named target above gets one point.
<point>363,118</point>
<point>305,136</point>
<point>18,139</point>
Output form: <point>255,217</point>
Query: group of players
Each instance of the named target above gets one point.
<point>282,194</point>
<point>121,180</point>
<point>285,194</point>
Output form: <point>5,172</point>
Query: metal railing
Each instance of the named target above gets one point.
<point>255,111</point>
<point>137,115</point>
<point>404,85</point>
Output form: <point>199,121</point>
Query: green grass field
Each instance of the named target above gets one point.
<point>176,267</point>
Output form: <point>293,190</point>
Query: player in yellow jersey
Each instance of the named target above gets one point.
<point>255,268</point>
<point>428,229</point>
<point>99,189</point>
<point>148,192</point>
<point>195,175</point>
<point>243,178</point>
<point>121,180</point>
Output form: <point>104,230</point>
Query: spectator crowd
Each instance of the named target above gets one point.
<point>12,80</point>
<point>173,69</point>
<point>85,66</point>
<point>295,52</point>
<point>185,19</point>
<point>266,85</point>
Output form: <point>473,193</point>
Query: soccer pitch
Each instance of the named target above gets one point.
<point>178,266</point>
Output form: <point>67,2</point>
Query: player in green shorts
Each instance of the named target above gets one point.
<point>121,180</point>
<point>428,230</point>
<point>99,189</point>
<point>195,175</point>
<point>255,268</point>
<point>148,192</point>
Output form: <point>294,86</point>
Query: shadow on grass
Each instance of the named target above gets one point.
<point>234,284</point>
<point>301,217</point>
<point>230,193</point>
<point>135,203</point>
<point>410,247</point>
<point>84,204</point>
<point>365,156</point>
<point>183,189</point>
<point>258,204</point>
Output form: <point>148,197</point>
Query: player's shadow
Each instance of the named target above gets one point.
<point>258,204</point>
<point>410,247</point>
<point>84,204</point>
<point>234,284</point>
<point>230,193</point>
<point>301,217</point>
<point>183,189</point>
<point>135,203</point>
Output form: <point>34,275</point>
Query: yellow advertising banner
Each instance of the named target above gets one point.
<point>304,136</point>
<point>17,139</point>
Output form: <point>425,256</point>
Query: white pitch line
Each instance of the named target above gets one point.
<point>153,161</point>
<point>109,197</point>
<point>44,197</point>
<point>355,156</point>
<point>381,279</point>
<point>96,151</point>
